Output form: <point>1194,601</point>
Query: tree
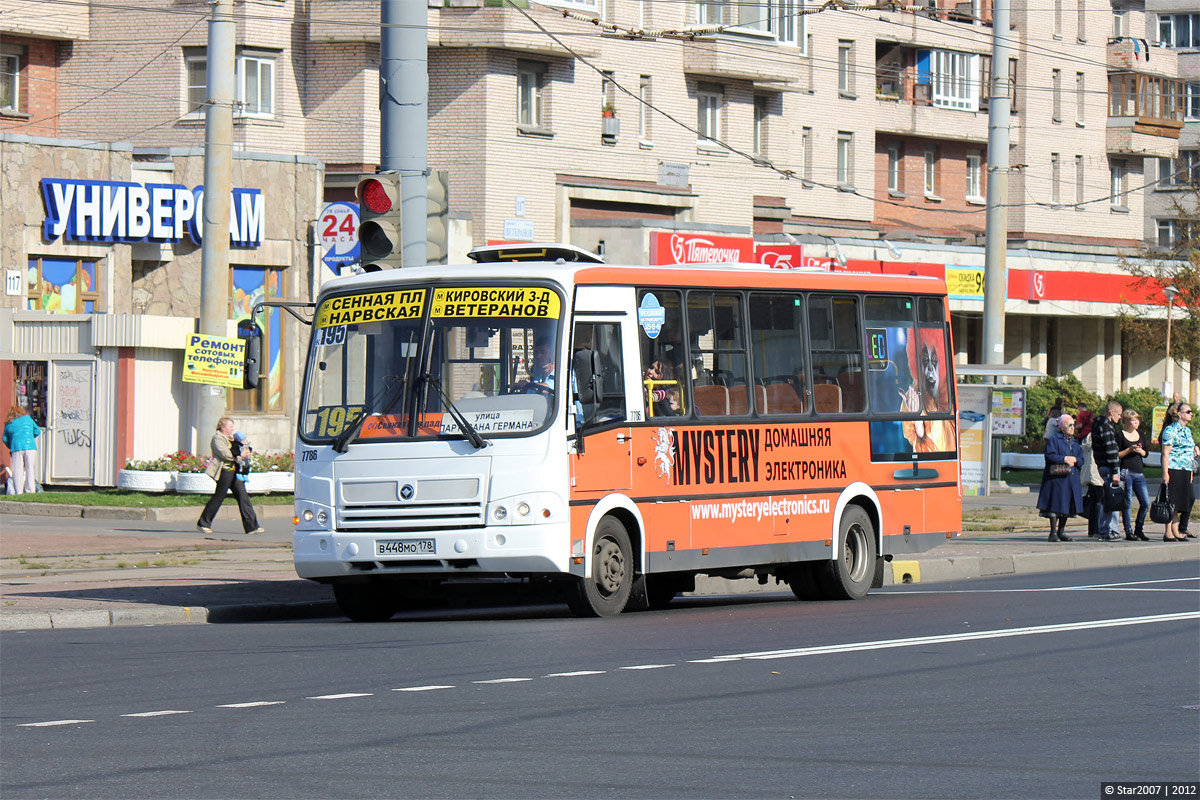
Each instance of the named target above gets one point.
<point>1177,265</point>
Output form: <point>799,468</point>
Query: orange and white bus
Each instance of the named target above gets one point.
<point>726,420</point>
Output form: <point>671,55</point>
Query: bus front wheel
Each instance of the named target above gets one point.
<point>849,577</point>
<point>367,602</point>
<point>605,591</point>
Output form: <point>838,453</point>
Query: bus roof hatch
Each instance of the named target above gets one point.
<point>549,251</point>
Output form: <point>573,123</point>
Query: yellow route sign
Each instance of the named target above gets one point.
<point>496,301</point>
<point>353,309</point>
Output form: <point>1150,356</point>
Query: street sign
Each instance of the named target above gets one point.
<point>338,231</point>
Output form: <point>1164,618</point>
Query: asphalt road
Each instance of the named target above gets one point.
<point>1038,686</point>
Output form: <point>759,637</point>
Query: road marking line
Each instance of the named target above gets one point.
<point>344,696</point>
<point>649,666</point>
<point>421,688</point>
<point>574,674</point>
<point>155,713</point>
<point>505,680</point>
<point>917,641</point>
<point>54,722</point>
<point>1126,586</point>
<point>254,704</point>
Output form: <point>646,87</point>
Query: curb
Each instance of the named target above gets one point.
<point>154,514</point>
<point>167,615</point>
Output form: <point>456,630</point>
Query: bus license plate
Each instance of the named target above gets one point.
<point>405,547</point>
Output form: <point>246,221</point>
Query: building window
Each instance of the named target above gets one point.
<point>708,12</point>
<point>644,115</point>
<point>1120,22</point>
<point>780,19</point>
<point>1116,184</point>
<point>1079,184</point>
<point>789,21</point>
<point>1179,30</point>
<point>1191,106</point>
<point>1056,94</point>
<point>708,112</point>
<point>953,77</point>
<point>1168,233</point>
<point>931,159</point>
<point>845,160</point>
<point>846,68</point>
<point>1055,179</point>
<point>806,156</point>
<point>1081,25</point>
<point>760,124</point>
<point>1080,95</point>
<point>1183,171</point>
<point>10,77</point>
<point>529,93</point>
<point>249,286</point>
<point>256,86</point>
<point>1056,31</point>
<point>254,79</point>
<point>974,176</point>
<point>895,152</point>
<point>62,286</point>
<point>196,68</point>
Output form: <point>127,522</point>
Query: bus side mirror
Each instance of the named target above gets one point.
<point>252,334</point>
<point>586,366</point>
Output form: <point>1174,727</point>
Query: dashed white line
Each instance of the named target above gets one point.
<point>343,696</point>
<point>917,641</point>
<point>254,704</point>
<point>421,688</point>
<point>649,666</point>
<point>166,713</point>
<point>505,680</point>
<point>576,674</point>
<point>52,723</point>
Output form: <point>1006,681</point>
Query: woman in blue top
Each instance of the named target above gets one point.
<point>1178,453</point>
<point>1060,496</point>
<point>20,437</point>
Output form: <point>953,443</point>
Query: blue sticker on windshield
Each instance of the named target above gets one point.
<point>651,316</point>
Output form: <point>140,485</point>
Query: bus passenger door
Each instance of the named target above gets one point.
<point>602,462</point>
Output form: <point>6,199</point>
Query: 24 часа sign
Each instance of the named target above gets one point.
<point>113,211</point>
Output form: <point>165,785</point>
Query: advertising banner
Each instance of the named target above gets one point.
<point>214,360</point>
<point>973,404</point>
<point>780,256</point>
<point>1008,411</point>
<point>694,248</point>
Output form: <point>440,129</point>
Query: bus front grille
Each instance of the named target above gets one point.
<point>410,517</point>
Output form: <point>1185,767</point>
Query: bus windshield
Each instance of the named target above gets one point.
<point>390,355</point>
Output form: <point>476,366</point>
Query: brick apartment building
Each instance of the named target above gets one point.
<point>848,139</point>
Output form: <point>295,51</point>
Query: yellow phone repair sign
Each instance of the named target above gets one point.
<point>354,309</point>
<point>214,360</point>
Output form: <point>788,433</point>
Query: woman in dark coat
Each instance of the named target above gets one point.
<point>1060,496</point>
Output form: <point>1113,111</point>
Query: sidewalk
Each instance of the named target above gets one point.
<point>73,567</point>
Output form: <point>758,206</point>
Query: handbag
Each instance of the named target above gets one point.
<point>213,469</point>
<point>1059,470</point>
<point>1114,497</point>
<point>1161,510</point>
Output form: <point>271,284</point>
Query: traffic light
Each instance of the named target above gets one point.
<point>379,221</point>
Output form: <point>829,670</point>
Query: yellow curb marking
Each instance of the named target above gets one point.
<point>906,572</point>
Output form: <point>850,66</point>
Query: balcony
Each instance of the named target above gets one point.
<point>49,20</point>
<point>907,107</point>
<point>1145,114</point>
<point>744,58</point>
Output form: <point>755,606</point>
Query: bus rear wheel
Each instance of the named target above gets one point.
<point>849,577</point>
<point>373,601</point>
<point>605,591</point>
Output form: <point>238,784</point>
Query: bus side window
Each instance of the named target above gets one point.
<point>660,342</point>
<point>933,357</point>
<point>836,355</point>
<point>777,347</point>
<point>716,344</point>
<point>608,400</point>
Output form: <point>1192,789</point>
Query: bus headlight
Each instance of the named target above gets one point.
<point>307,515</point>
<point>522,509</point>
<point>322,518</point>
<point>500,513</point>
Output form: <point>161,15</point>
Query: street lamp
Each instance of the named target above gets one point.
<point>1171,293</point>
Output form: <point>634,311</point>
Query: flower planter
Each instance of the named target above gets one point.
<point>282,482</point>
<point>194,483</point>
<point>137,480</point>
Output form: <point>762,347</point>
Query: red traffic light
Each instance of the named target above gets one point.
<point>374,196</point>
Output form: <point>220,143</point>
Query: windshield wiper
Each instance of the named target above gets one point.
<point>342,442</point>
<point>468,430</point>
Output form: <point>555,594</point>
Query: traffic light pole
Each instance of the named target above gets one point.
<point>209,401</point>
<point>403,114</point>
<point>996,227</point>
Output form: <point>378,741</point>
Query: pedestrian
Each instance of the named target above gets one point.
<point>1059,497</point>
<point>1133,451</point>
<point>20,437</point>
<point>6,480</point>
<point>1107,455</point>
<point>1093,491</point>
<point>223,469</point>
<point>1052,416</point>
<point>1178,453</point>
<point>1083,423</point>
<point>242,452</point>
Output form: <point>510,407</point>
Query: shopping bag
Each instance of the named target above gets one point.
<point>1161,509</point>
<point>1114,497</point>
